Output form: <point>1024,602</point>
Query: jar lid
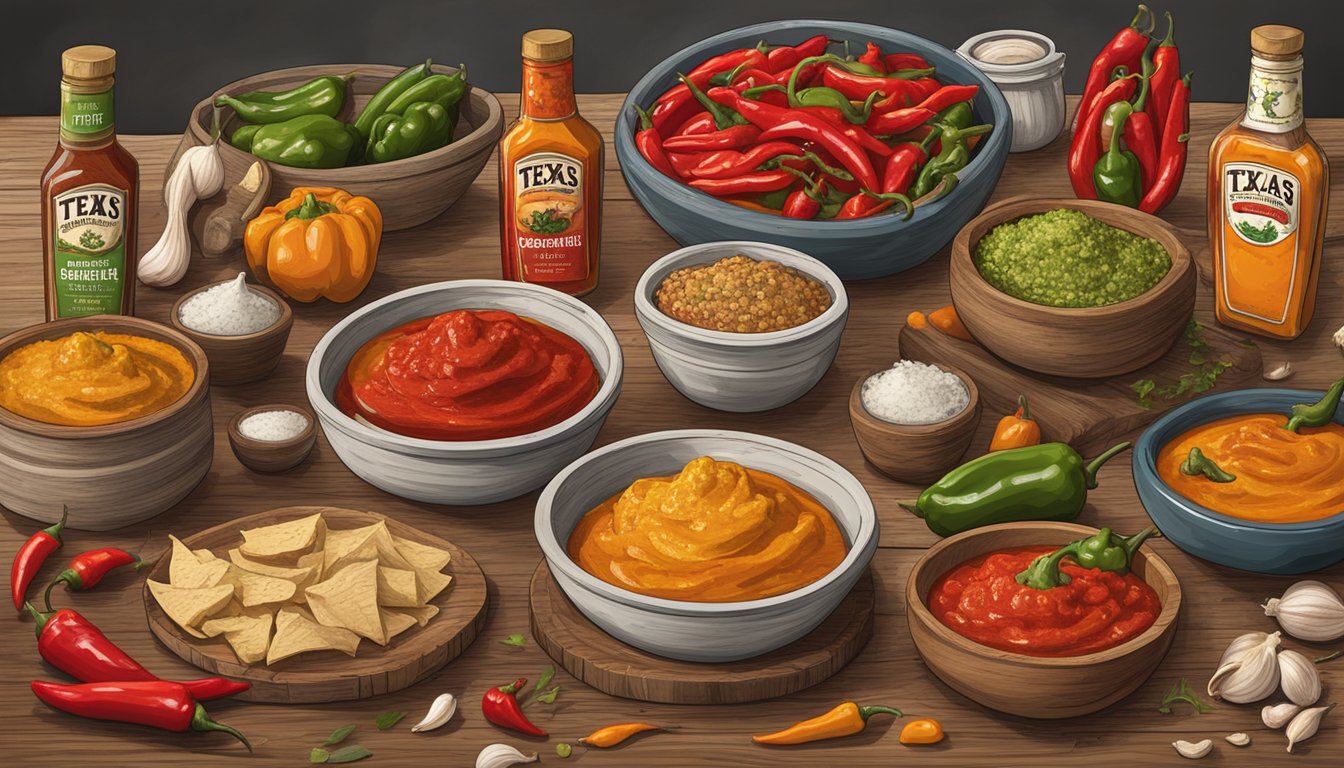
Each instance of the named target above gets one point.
<point>88,62</point>
<point>1276,40</point>
<point>548,45</point>
<point>1010,56</point>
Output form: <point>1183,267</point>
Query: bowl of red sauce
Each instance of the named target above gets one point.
<point>1062,652</point>
<point>465,392</point>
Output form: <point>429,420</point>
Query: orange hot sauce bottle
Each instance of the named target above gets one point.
<point>550,175</point>
<point>1269,188</point>
<point>89,193</point>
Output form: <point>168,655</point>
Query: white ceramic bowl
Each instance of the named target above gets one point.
<point>703,632</point>
<point>741,372</point>
<point>462,472</point>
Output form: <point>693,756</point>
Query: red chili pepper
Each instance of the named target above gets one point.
<point>785,57</point>
<point>30,557</point>
<point>898,120</point>
<point>500,707</point>
<point>725,62</point>
<point>87,569</point>
<point>858,87</point>
<point>1085,148</point>
<point>895,61</point>
<point>673,110</point>
<point>948,95</point>
<point>904,163</point>
<point>780,123</point>
<point>1138,129</point>
<point>678,103</point>
<point>1175,135</point>
<point>649,144</point>
<point>805,203</point>
<point>700,123</point>
<point>685,163</point>
<point>872,56</point>
<point>158,703</point>
<point>867,204</point>
<point>760,181</point>
<point>1124,49</point>
<point>729,163</point>
<point>728,138</point>
<point>1166,73</point>
<point>753,78</point>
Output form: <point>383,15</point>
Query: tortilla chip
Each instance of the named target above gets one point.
<point>349,599</point>
<point>431,583</point>
<point>189,607</point>
<point>248,635</point>
<point>422,557</point>
<point>296,632</point>
<point>396,622</point>
<point>422,613</point>
<point>188,570</point>
<point>284,541</point>
<point>397,588</point>
<point>256,589</point>
<point>365,551</point>
<point>301,575</point>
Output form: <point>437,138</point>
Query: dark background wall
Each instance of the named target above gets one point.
<point>172,53</point>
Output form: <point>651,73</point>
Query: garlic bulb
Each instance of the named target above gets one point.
<point>502,756</point>
<point>1251,676</point>
<point>199,174</point>
<point>1309,610</point>
<point>1238,739</point>
<point>1279,715</point>
<point>1299,678</point>
<point>1193,751</point>
<point>1305,725</point>
<point>1239,645</point>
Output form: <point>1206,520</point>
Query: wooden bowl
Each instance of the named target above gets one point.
<point>272,455</point>
<point>914,453</point>
<point>111,475</point>
<point>246,357</point>
<point>1087,343</point>
<point>1030,686</point>
<point>408,192</point>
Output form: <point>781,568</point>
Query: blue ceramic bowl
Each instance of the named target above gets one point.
<point>1285,548</point>
<point>854,250</point>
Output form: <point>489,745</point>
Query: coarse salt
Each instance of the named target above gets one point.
<point>914,393</point>
<point>229,309</point>
<point>273,426</point>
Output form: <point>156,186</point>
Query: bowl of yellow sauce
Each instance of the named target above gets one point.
<point>1277,505</point>
<point>706,545</point>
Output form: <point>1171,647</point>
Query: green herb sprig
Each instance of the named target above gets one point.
<point>1179,692</point>
<point>1208,367</point>
<point>547,222</point>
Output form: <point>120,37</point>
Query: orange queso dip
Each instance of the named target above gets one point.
<point>1281,476</point>
<point>716,532</point>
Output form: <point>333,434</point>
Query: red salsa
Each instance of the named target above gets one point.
<point>468,375</point>
<point>981,600</point>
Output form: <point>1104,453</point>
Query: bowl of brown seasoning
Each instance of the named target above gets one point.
<point>741,326</point>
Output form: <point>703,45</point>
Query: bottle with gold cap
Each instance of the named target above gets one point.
<point>550,175</point>
<point>89,194</point>
<point>1269,187</point>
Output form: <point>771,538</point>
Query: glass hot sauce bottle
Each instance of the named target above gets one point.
<point>89,193</point>
<point>550,166</point>
<point>1269,187</point>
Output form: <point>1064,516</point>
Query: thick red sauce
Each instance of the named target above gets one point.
<point>468,375</point>
<point>981,600</point>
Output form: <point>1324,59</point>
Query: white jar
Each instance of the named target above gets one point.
<point>1030,72</point>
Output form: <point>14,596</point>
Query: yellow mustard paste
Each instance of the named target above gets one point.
<point>89,379</point>
<point>715,532</point>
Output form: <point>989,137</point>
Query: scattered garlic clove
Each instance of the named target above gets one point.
<point>1238,739</point>
<point>440,712</point>
<point>503,756</point>
<point>1309,610</point>
<point>1279,372</point>
<point>1298,676</point>
<point>1193,751</point>
<point>1279,715</point>
<point>1305,725</point>
<point>1252,676</point>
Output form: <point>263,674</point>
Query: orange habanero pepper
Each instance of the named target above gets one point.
<point>318,242</point>
<point>923,731</point>
<point>947,321</point>
<point>1016,431</point>
<point>846,719</point>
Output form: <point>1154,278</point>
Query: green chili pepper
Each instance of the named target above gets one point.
<point>860,68</point>
<point>1196,463</point>
<point>1102,550</point>
<point>421,127</point>
<point>243,135</point>
<point>723,116</point>
<point>1116,174</point>
<point>319,96</point>
<point>309,141</point>
<point>822,96</point>
<point>812,157</point>
<point>447,90</point>
<point>959,115</point>
<point>953,155</point>
<point>1317,414</point>
<point>392,89</point>
<point>1049,481</point>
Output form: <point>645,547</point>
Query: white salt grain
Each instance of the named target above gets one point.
<point>273,426</point>
<point>229,309</point>
<point>914,393</point>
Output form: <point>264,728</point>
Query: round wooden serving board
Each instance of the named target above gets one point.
<point>324,676</point>
<point>617,669</point>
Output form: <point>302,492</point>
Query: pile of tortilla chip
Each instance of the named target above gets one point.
<point>298,586</point>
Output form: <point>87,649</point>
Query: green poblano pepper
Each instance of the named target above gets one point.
<point>421,127</point>
<point>320,96</point>
<point>447,90</point>
<point>243,135</point>
<point>391,90</point>
<point>1103,550</point>
<point>309,141</point>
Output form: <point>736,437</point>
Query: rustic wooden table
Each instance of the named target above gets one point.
<point>463,243</point>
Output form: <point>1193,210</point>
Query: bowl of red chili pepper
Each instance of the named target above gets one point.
<point>870,163</point>
<point>1043,619</point>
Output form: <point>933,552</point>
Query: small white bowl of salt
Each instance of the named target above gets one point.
<point>913,421</point>
<point>272,438</point>
<point>242,328</point>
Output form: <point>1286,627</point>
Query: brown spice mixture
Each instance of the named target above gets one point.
<point>739,294</point>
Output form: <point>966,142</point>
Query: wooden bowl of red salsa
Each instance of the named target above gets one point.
<point>1069,651</point>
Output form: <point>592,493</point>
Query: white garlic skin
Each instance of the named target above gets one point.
<point>1250,676</point>
<point>1299,679</point>
<point>1238,739</point>
<point>1305,725</point>
<point>1279,715</point>
<point>1309,610</point>
<point>1193,751</point>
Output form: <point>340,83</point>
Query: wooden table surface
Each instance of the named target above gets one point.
<point>463,243</point>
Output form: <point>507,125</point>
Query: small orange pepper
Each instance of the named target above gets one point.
<point>1016,431</point>
<point>612,735</point>
<point>945,319</point>
<point>923,731</point>
<point>917,320</point>
<point>846,719</point>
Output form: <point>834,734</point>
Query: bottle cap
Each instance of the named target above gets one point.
<point>89,62</point>
<point>1276,40</point>
<point>548,45</point>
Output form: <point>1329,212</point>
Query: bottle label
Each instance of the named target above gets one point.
<point>1260,202</point>
<point>86,114</point>
<point>549,220</point>
<point>88,235</point>
<point>1274,97</point>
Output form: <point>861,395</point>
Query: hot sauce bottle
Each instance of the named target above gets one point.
<point>550,175</point>
<point>89,194</point>
<point>1269,187</point>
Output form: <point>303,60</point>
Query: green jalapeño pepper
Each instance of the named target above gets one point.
<point>422,127</point>
<point>1103,550</point>
<point>953,155</point>
<point>243,135</point>
<point>389,93</point>
<point>319,96</point>
<point>446,90</point>
<point>310,141</point>
<point>959,115</point>
<point>1317,414</point>
<point>1196,463</point>
<point>1049,481</point>
<point>821,96</point>
<point>1116,174</point>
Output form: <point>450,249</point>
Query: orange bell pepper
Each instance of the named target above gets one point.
<point>318,242</point>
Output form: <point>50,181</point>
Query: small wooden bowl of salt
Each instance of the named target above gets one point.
<point>242,328</point>
<point>272,438</point>
<point>914,421</point>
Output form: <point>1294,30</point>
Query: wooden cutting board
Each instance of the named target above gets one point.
<point>615,668</point>
<point>1089,415</point>
<point>324,676</point>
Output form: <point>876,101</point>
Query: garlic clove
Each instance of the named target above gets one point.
<point>1305,725</point>
<point>1193,751</point>
<point>440,712</point>
<point>1309,610</point>
<point>1238,739</point>
<point>1251,676</point>
<point>1279,372</point>
<point>1298,676</point>
<point>503,756</point>
<point>1279,715</point>
<point>1241,644</point>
